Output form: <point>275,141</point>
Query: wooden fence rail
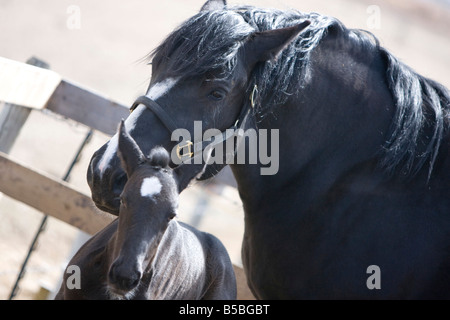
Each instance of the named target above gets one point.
<point>50,195</point>
<point>87,107</point>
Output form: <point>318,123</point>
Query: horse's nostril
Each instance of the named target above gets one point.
<point>119,183</point>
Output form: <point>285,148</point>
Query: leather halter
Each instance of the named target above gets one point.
<point>153,106</point>
<point>187,150</point>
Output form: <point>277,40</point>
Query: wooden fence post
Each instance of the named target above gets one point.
<point>13,117</point>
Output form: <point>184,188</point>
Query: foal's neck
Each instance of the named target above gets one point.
<point>177,271</point>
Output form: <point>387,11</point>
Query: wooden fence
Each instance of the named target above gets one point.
<point>52,196</point>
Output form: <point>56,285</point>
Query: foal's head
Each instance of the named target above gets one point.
<point>149,201</point>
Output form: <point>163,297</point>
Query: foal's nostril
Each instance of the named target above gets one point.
<point>133,282</point>
<point>123,278</point>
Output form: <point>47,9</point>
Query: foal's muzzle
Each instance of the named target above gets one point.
<point>122,279</point>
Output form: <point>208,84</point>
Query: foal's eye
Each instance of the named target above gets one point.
<point>217,95</point>
<point>172,215</point>
<point>122,201</point>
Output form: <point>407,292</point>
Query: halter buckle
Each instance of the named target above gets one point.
<point>133,107</point>
<point>252,96</point>
<point>180,149</point>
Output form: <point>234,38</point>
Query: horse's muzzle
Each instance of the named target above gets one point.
<point>106,186</point>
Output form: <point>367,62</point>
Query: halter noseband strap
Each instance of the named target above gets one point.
<point>165,119</point>
<point>189,149</point>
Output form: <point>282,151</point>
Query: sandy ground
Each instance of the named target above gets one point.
<point>101,49</point>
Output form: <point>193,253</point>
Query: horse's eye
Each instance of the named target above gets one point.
<point>217,95</point>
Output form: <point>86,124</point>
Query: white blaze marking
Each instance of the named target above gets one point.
<point>150,187</point>
<point>161,88</point>
<point>158,90</point>
<point>108,154</point>
<point>111,148</point>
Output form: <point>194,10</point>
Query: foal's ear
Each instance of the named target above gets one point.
<point>213,5</point>
<point>130,154</point>
<point>268,45</point>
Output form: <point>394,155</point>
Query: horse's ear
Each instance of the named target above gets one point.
<point>130,154</point>
<point>268,45</point>
<point>213,5</point>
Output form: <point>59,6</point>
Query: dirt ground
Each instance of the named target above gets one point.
<point>99,44</point>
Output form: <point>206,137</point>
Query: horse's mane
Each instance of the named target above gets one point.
<point>211,39</point>
<point>421,121</point>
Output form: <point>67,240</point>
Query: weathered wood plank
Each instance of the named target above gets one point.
<point>50,196</point>
<point>87,107</point>
<point>26,85</point>
<point>12,116</point>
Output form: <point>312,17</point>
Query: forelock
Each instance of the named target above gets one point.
<point>208,41</point>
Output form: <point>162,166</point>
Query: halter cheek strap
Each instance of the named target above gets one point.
<point>233,131</point>
<point>188,149</point>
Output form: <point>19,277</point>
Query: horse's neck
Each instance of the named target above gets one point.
<point>335,122</point>
<point>310,162</point>
<point>178,267</point>
<point>298,187</point>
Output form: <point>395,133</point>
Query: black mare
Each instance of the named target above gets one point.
<point>363,179</point>
<point>145,253</point>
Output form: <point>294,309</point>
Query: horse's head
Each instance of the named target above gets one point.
<point>201,72</point>
<point>149,201</point>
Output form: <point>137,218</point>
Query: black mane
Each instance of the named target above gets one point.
<point>421,121</point>
<point>210,40</point>
<point>185,53</point>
